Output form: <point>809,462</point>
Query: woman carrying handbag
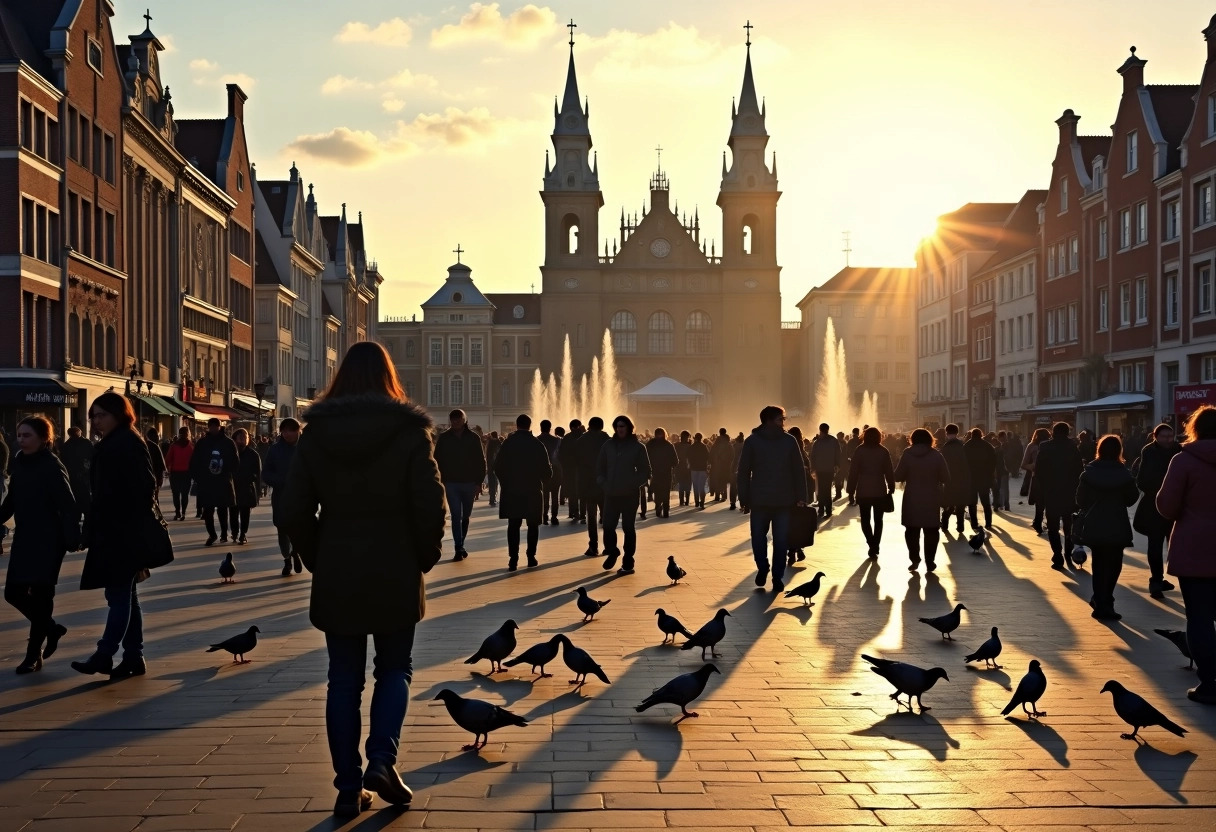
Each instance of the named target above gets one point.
<point>871,485</point>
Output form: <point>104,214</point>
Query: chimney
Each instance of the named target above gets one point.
<point>1068,127</point>
<point>1209,34</point>
<point>236,102</point>
<point>1132,72</point>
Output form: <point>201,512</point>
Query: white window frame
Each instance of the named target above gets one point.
<point>1063,194</point>
<point>1171,300</point>
<point>1141,300</point>
<point>1173,217</point>
<point>1125,304</point>
<point>477,391</point>
<point>1203,204</point>
<point>1141,222</point>
<point>1205,303</point>
<point>456,389</point>
<point>435,351</point>
<point>1207,368</point>
<point>1103,238</point>
<point>1125,229</point>
<point>1103,310</point>
<point>1133,152</point>
<point>434,384</point>
<point>1074,253</point>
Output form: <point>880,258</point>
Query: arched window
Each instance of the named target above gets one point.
<point>99,347</point>
<point>698,333</point>
<point>661,332</point>
<point>86,343</point>
<point>707,392</point>
<point>527,349</point>
<point>111,348</point>
<point>570,233</point>
<point>506,351</point>
<point>750,223</point>
<point>74,338</point>
<point>624,333</point>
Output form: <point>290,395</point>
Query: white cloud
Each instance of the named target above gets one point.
<point>673,55</point>
<point>395,32</point>
<point>242,80</point>
<point>453,127</point>
<point>523,28</point>
<point>204,75</point>
<point>405,80</point>
<point>168,42</point>
<point>338,84</point>
<point>203,65</point>
<point>392,105</point>
<point>341,146</point>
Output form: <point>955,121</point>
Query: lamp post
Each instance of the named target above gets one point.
<point>133,374</point>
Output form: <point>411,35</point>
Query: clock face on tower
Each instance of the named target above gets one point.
<point>660,247</point>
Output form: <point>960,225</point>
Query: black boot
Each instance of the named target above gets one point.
<point>286,566</point>
<point>57,632</point>
<point>96,663</point>
<point>33,658</point>
<point>128,668</point>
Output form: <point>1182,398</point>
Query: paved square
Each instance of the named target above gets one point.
<point>795,732</point>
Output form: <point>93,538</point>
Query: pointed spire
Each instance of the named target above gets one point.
<point>723,164</point>
<point>570,102</point>
<point>748,120</point>
<point>774,164</point>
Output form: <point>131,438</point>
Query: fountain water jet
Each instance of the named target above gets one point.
<point>563,397</point>
<point>834,400</point>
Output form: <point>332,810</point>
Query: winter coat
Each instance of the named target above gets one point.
<point>871,476</point>
<point>771,472</point>
<point>623,467</point>
<point>381,516</point>
<point>492,448</point>
<point>40,498</point>
<point>124,498</point>
<point>247,481</point>
<point>522,467</point>
<point>1154,462</point>
<point>1105,489</point>
<point>77,456</point>
<point>177,460</point>
<point>981,466</point>
<point>157,459</point>
<point>698,456</point>
<point>552,444</point>
<point>682,448</point>
<point>826,455</point>
<point>460,458</point>
<point>586,458</point>
<point>567,463</point>
<point>1012,452</point>
<point>1186,498</point>
<point>958,491</point>
<point>274,474</point>
<point>721,463</point>
<point>663,461</point>
<point>1056,472</point>
<point>212,466</point>
<point>925,473</point>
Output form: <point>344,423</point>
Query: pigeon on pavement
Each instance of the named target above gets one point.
<point>1137,713</point>
<point>477,717</point>
<point>907,679</point>
<point>1030,690</point>
<point>238,646</point>
<point>987,652</point>
<point>580,661</point>
<point>948,623</point>
<point>497,646</point>
<point>1178,637</point>
<point>680,691</point>
<point>709,635</point>
<point>227,569</point>
<point>538,655</point>
<point>976,541</point>
<point>807,590</point>
<point>588,606</point>
<point>670,625</point>
<point>673,570</point>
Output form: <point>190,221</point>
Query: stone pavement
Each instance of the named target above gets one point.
<point>796,732</point>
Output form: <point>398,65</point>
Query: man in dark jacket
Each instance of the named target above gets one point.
<point>156,456</point>
<point>853,443</point>
<point>958,490</point>
<point>462,467</point>
<point>587,457</point>
<point>1087,446</point>
<point>493,444</point>
<point>772,480</point>
<point>552,496</point>
<point>1056,473</point>
<point>981,465</point>
<point>274,474</point>
<point>569,468</point>
<point>620,471</point>
<point>213,465</point>
<point>77,457</point>
<point>523,469</point>
<point>1150,473</point>
<point>721,463</point>
<point>825,463</point>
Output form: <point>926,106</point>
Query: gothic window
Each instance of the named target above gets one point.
<point>86,343</point>
<point>707,392</point>
<point>624,333</point>
<point>698,333</point>
<point>750,222</point>
<point>570,233</point>
<point>111,349</point>
<point>661,330</point>
<point>506,349</point>
<point>74,337</point>
<point>99,346</point>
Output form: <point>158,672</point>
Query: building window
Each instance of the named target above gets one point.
<point>409,348</point>
<point>505,393</point>
<point>456,391</point>
<point>698,333</point>
<point>506,350</point>
<point>1125,228</point>
<point>960,328</point>
<point>94,55</point>
<point>661,334</point>
<point>475,352</point>
<point>476,391</point>
<point>1142,222</point>
<point>1141,300</point>
<point>1211,116</point>
<point>1133,151</point>
<point>901,343</point>
<point>456,351</point>
<point>1072,322</point>
<point>1103,310</point>
<point>860,343</point>
<point>1103,237</point>
<point>901,370</point>
<point>1208,368</point>
<point>624,328</point>
<point>860,371</point>
<point>434,395</point>
<point>1074,254</point>
<point>1173,218</point>
<point>881,369</point>
<point>1125,304</point>
<point>436,357</point>
<point>1171,299</point>
<point>1203,203</point>
<point>1203,291</point>
<point>1063,194</point>
<point>527,349</point>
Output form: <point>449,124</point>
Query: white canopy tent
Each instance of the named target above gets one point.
<point>660,394</point>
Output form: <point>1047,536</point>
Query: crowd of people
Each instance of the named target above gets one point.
<point>367,519</point>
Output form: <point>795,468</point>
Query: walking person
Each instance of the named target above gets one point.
<point>1000,480</point>
<point>981,470</point>
<point>587,457</point>
<point>551,501</point>
<point>493,444</point>
<point>683,472</point>
<point>1058,468</point>
<point>736,448</point>
<point>871,485</point>
<point>156,456</point>
<point>124,498</point>
<point>771,481</point>
<point>958,490</point>
<point>462,467</point>
<point>247,483</point>
<point>212,466</point>
<point>39,499</point>
<point>1104,491</point>
<point>721,461</point>
<point>274,474</point>
<point>1150,473</point>
<point>925,475</point>
<point>825,463</point>
<point>77,457</point>
<point>379,529</point>
<point>566,460</point>
<point>523,470</point>
<point>1030,491</point>
<point>177,462</point>
<point>621,471</point>
<point>850,447</point>
<point>1186,499</point>
<point>663,462</point>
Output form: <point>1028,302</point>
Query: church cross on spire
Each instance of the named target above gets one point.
<point>148,18</point>
<point>572,26</point>
<point>458,251</point>
<point>748,26</point>
<point>659,151</point>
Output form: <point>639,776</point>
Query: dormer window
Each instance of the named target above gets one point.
<point>1097,174</point>
<point>1063,195</point>
<point>1133,152</point>
<point>457,297</point>
<point>1211,116</point>
<point>94,56</point>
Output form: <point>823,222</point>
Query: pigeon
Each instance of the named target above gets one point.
<point>673,570</point>
<point>581,663</point>
<point>976,541</point>
<point>1180,641</point>
<point>670,625</point>
<point>807,590</point>
<point>227,569</point>
<point>680,691</point>
<point>538,655</point>
<point>946,624</point>
<point>1030,690</point>
<point>1137,713</point>
<point>587,605</point>
<point>908,679</point>
<point>478,717</point>
<point>497,646</point>
<point>238,646</point>
<point>709,635</point>
<point>987,652</point>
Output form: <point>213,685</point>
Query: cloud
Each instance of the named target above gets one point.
<point>395,32</point>
<point>405,80</point>
<point>523,28</point>
<point>340,146</point>
<point>245,82</point>
<point>453,127</point>
<point>392,105</point>
<point>203,65</point>
<point>204,71</point>
<point>337,84</point>
<point>168,42</point>
<point>674,55</point>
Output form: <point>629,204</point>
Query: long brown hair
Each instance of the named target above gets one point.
<point>366,368</point>
<point>1202,424</point>
<point>117,406</point>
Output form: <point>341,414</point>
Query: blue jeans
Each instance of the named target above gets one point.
<point>1199,596</point>
<point>394,670</point>
<point>622,507</point>
<point>124,622</point>
<point>460,504</point>
<point>779,518</point>
<point>699,480</point>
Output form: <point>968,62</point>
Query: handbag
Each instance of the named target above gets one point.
<point>157,543</point>
<point>804,521</point>
<point>1025,489</point>
<point>888,504</point>
<point>1078,527</point>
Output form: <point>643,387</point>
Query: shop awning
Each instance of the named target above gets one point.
<point>179,407</point>
<point>218,411</point>
<point>155,403</point>
<point>34,391</point>
<point>665,389</point>
<point>1118,401</point>
<point>252,404</point>
<point>1054,408</point>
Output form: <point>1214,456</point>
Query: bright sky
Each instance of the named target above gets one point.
<point>433,118</point>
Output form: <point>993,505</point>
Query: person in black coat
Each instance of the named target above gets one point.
<point>587,455</point>
<point>523,470</point>
<point>1104,492</point>
<point>1154,461</point>
<point>247,483</point>
<point>77,456</point>
<point>981,465</point>
<point>156,456</point>
<point>40,499</point>
<point>462,467</point>
<point>124,502</point>
<point>551,496</point>
<point>683,473</point>
<point>274,474</point>
<point>621,470</point>
<point>663,462</point>
<point>213,466</point>
<point>958,490</point>
<point>1056,472</point>
<point>566,459</point>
